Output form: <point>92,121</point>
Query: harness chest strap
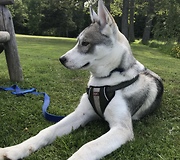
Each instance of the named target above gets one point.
<point>100,97</point>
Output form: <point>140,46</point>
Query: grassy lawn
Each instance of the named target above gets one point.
<point>156,136</point>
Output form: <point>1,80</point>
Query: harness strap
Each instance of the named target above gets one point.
<point>21,92</point>
<point>100,97</point>
<point>122,85</point>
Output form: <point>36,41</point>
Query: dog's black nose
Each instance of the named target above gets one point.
<point>63,60</point>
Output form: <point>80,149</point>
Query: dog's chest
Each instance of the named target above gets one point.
<point>100,97</point>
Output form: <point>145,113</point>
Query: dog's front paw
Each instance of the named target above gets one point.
<point>3,154</point>
<point>8,153</point>
<point>12,153</point>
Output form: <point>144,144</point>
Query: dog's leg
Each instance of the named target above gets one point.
<point>120,132</point>
<point>83,114</point>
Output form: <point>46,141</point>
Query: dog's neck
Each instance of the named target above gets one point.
<point>122,68</point>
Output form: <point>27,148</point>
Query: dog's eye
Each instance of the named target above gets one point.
<point>85,43</point>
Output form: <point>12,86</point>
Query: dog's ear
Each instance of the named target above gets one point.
<point>93,15</point>
<point>104,16</point>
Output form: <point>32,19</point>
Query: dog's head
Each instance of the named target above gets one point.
<point>100,46</point>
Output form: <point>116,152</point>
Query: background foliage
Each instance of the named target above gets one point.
<point>69,17</point>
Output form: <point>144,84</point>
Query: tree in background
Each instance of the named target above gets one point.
<point>149,19</point>
<point>34,9</point>
<point>167,26</point>
<point>125,12</point>
<point>20,16</point>
<point>57,18</point>
<point>125,9</point>
<point>131,21</point>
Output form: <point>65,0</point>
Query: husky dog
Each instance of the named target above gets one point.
<point>119,89</point>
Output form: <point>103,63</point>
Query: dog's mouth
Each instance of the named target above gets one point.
<point>87,64</point>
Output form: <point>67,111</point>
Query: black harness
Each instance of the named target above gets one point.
<point>100,97</point>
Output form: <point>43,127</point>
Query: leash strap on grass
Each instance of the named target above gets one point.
<point>20,92</point>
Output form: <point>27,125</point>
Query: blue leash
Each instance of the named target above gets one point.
<point>19,92</point>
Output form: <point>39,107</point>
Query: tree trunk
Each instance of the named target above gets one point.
<point>148,25</point>
<point>131,25</point>
<point>124,22</point>
<point>107,3</point>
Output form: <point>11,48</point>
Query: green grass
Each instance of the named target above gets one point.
<point>169,47</point>
<point>156,136</point>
